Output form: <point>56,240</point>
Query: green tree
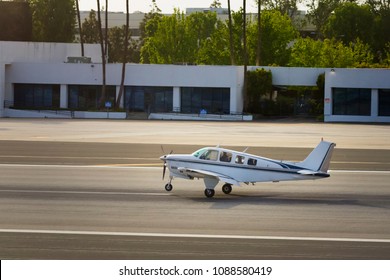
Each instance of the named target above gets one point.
<point>216,4</point>
<point>289,7</point>
<point>178,38</point>
<point>307,52</point>
<point>215,50</point>
<point>350,22</point>
<point>148,28</point>
<point>259,87</point>
<point>381,30</point>
<point>319,13</point>
<point>90,29</point>
<point>53,20</point>
<point>277,33</point>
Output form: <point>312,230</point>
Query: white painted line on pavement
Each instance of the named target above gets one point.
<point>83,192</point>
<point>184,235</point>
<point>147,166</point>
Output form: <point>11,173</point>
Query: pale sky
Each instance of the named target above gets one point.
<point>166,6</point>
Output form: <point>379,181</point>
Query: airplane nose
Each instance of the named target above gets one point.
<point>163,157</point>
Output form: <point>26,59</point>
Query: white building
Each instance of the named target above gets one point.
<point>38,75</point>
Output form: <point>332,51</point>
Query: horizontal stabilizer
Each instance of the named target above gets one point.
<point>307,172</point>
<point>313,173</point>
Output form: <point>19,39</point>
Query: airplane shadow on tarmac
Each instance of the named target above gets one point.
<point>234,200</point>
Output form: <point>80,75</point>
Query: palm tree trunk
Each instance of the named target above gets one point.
<point>245,58</point>
<point>106,32</point>
<point>126,47</point>
<point>258,50</point>
<point>103,95</point>
<point>80,30</point>
<point>232,60</point>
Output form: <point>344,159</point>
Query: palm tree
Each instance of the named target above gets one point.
<point>232,60</point>
<point>103,96</point>
<point>80,30</point>
<point>258,50</point>
<point>106,31</point>
<point>126,47</point>
<point>245,56</point>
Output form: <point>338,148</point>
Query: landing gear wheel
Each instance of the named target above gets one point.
<point>227,188</point>
<point>209,192</point>
<point>168,187</point>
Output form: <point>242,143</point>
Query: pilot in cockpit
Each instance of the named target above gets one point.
<point>226,157</point>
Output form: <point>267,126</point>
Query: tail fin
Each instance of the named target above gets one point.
<point>319,158</point>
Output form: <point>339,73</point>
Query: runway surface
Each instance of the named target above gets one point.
<point>72,189</point>
<point>62,200</point>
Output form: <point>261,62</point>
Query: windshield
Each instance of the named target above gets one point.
<point>199,152</point>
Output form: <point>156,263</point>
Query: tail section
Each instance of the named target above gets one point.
<point>319,159</point>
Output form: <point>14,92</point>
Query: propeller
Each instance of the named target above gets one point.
<point>164,168</point>
<point>163,158</point>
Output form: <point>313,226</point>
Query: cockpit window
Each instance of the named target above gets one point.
<point>225,157</point>
<point>209,155</point>
<point>240,159</point>
<point>252,161</point>
<point>199,152</point>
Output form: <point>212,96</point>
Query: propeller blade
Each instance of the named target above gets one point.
<point>164,169</point>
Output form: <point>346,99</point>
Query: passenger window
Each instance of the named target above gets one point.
<point>252,161</point>
<point>240,159</point>
<point>225,157</point>
<point>210,155</point>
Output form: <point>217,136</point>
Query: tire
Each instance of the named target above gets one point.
<point>227,188</point>
<point>209,192</point>
<point>168,187</point>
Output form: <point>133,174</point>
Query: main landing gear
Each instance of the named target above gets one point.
<point>227,188</point>
<point>209,192</point>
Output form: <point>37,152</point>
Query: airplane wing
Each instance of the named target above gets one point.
<point>198,173</point>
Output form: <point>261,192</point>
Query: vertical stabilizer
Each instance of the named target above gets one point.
<point>319,158</point>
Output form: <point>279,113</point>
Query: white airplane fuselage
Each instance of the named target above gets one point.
<point>214,164</point>
<point>264,170</point>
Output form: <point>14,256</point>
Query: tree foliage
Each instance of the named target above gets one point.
<point>319,13</point>
<point>259,87</point>
<point>277,33</point>
<point>178,38</point>
<point>90,29</point>
<point>53,20</point>
<point>116,39</point>
<point>307,52</point>
<point>349,22</point>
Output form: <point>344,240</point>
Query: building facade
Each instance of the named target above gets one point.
<point>36,76</point>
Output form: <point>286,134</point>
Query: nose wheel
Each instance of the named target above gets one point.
<point>168,187</point>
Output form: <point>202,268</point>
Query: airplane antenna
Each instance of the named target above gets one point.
<point>246,149</point>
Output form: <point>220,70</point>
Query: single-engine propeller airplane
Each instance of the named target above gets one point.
<point>215,164</point>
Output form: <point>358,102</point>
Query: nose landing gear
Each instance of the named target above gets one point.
<point>168,187</point>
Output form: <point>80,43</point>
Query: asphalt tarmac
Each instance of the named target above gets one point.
<point>62,199</point>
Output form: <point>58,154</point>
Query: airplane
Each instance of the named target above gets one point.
<point>214,164</point>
